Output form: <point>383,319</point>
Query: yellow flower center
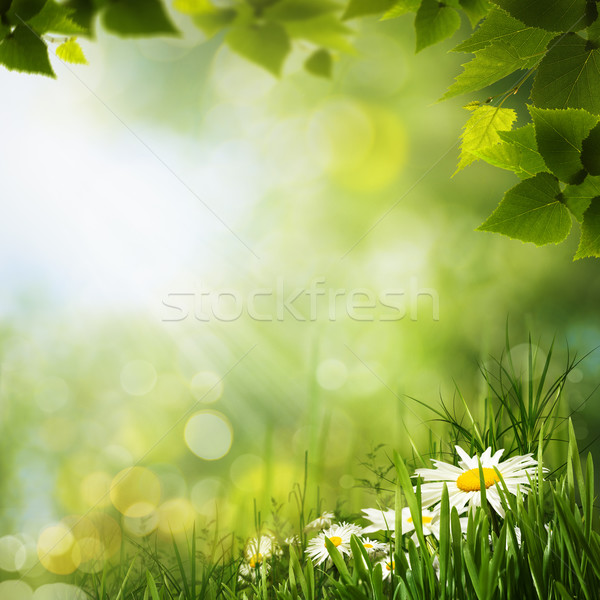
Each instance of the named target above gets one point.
<point>425,520</point>
<point>335,540</point>
<point>389,566</point>
<point>368,545</point>
<point>255,561</point>
<point>469,480</point>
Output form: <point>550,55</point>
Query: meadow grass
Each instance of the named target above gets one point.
<point>541,544</point>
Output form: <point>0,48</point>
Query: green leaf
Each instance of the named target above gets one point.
<point>500,27</point>
<point>552,15</point>
<point>590,151</point>
<point>504,156</point>
<point>56,18</point>
<point>266,45</point>
<point>194,7</point>
<point>23,50</point>
<point>481,131</point>
<point>299,10</point>
<point>360,558</point>
<point>207,17</point>
<point>562,590</point>
<point>593,31</point>
<point>299,575</point>
<point>559,135</point>
<point>579,197</point>
<point>457,542</point>
<point>532,212</point>
<point>411,498</point>
<point>326,31</point>
<point>517,153</point>
<point>377,582</point>
<point>71,52</point>
<point>83,13</point>
<point>129,18</point>
<point>23,10</point>
<point>360,8</point>
<point>501,46</point>
<point>397,511</point>
<point>493,63</point>
<point>475,9</point>
<point>474,572</point>
<point>151,586</point>
<point>211,23</point>
<point>444,548</point>
<point>401,7</point>
<point>435,22</point>
<point>319,63</point>
<point>575,460</point>
<point>338,560</point>
<point>589,244</point>
<point>523,140</point>
<point>569,76</point>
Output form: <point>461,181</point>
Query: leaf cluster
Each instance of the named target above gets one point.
<point>27,27</point>
<point>263,31</point>
<point>556,154</point>
<point>553,43</point>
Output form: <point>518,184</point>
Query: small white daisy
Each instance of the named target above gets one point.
<point>463,482</point>
<point>387,567</point>
<point>339,535</point>
<point>373,547</point>
<point>322,522</point>
<point>251,570</point>
<point>261,547</point>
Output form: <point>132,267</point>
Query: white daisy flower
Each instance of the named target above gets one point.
<point>251,570</point>
<point>322,522</point>
<point>339,535</point>
<point>261,547</point>
<point>373,547</point>
<point>387,566</point>
<point>463,482</point>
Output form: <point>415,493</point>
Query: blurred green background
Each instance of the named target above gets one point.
<point>170,169</point>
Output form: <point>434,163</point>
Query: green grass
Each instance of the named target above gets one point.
<point>556,557</point>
